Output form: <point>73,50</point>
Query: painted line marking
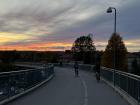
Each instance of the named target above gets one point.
<point>85,92</point>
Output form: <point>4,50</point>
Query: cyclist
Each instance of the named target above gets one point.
<point>98,64</point>
<point>76,67</point>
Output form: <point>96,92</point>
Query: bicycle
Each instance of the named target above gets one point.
<point>76,73</point>
<point>97,77</point>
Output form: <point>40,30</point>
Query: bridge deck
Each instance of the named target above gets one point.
<point>65,89</point>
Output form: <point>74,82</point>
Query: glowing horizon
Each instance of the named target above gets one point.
<point>131,45</point>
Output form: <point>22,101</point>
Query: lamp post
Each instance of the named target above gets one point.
<point>110,10</point>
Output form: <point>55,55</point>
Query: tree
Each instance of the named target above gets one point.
<point>9,56</point>
<point>7,59</point>
<point>115,52</point>
<point>83,48</point>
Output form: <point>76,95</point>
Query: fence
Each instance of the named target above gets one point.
<point>126,82</point>
<point>16,82</point>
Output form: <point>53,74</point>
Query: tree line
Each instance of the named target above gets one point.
<point>8,58</point>
<point>115,52</point>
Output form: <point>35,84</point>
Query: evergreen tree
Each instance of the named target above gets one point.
<point>115,52</point>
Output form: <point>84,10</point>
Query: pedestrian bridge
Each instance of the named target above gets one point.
<point>66,89</point>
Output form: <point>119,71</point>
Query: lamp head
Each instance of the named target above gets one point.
<point>109,10</point>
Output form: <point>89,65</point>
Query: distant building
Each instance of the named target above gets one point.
<point>131,57</point>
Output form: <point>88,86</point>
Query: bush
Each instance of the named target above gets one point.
<point>6,67</point>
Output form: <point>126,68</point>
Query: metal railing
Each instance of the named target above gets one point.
<point>128,83</point>
<point>16,82</point>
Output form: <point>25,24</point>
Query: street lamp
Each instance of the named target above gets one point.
<point>109,10</point>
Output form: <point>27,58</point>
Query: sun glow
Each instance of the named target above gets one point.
<point>6,37</point>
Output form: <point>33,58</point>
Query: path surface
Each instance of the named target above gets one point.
<point>65,89</point>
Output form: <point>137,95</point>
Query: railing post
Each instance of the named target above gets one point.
<point>8,86</point>
<point>127,84</point>
<point>138,92</point>
<point>114,77</point>
<point>119,80</point>
<point>25,80</point>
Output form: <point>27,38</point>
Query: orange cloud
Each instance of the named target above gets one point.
<point>132,45</point>
<point>38,46</point>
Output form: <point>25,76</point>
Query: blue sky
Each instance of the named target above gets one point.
<point>55,24</point>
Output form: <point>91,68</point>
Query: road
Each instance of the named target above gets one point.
<point>66,89</point>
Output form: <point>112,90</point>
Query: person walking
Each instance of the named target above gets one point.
<point>98,66</point>
<point>76,69</point>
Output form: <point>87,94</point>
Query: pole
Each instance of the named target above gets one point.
<point>114,49</point>
<point>115,21</point>
<point>114,55</point>
<point>114,64</point>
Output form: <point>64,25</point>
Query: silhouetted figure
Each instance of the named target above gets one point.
<point>76,67</point>
<point>134,66</point>
<point>60,63</point>
<point>98,66</point>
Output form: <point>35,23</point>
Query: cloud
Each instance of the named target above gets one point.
<point>47,16</point>
<point>55,48</point>
<point>64,20</point>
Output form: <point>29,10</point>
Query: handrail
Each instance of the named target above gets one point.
<point>124,73</point>
<point>125,82</point>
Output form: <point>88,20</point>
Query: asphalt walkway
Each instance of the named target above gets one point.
<point>66,89</point>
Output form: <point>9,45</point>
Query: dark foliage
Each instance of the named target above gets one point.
<point>9,56</point>
<point>115,51</point>
<point>135,67</point>
<point>83,49</point>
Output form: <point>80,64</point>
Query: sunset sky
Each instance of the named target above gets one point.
<point>55,24</point>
